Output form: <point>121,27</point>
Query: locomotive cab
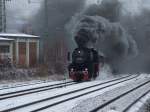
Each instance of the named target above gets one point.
<point>85,64</point>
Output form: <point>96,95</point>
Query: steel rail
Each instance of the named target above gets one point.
<point>23,85</point>
<point>33,90</point>
<point>118,97</point>
<point>126,109</point>
<point>57,96</point>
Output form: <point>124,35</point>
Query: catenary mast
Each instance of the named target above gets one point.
<point>2,16</point>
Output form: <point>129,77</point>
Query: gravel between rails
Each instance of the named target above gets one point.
<point>102,102</point>
<point>73,95</point>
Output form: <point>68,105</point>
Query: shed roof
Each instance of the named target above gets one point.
<point>5,39</point>
<point>18,35</point>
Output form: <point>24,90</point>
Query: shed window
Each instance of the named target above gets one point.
<point>4,49</point>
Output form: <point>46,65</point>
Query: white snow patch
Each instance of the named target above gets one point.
<point>141,104</point>
<point>76,102</point>
<point>105,73</point>
<point>90,102</point>
<point>17,35</point>
<point>29,85</point>
<point>8,103</point>
<point>112,111</point>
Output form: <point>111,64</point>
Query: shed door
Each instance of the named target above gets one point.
<point>4,51</point>
<point>33,54</point>
<point>22,53</point>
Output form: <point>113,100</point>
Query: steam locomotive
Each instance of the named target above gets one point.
<point>85,64</point>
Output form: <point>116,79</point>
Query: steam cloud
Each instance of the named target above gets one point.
<point>99,27</point>
<point>124,17</point>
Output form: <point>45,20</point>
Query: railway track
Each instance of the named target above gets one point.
<point>124,95</point>
<point>105,106</point>
<point>30,84</point>
<point>34,90</point>
<point>23,85</point>
<point>119,99</point>
<point>71,95</point>
<point>141,104</point>
<point>134,102</point>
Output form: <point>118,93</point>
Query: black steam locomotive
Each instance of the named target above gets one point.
<point>85,64</point>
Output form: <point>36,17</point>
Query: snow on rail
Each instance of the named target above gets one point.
<point>75,105</point>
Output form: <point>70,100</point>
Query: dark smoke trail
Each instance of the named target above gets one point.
<point>109,9</point>
<point>55,41</point>
<point>98,26</point>
<point>59,12</point>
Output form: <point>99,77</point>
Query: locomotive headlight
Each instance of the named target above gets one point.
<point>86,69</point>
<point>72,69</point>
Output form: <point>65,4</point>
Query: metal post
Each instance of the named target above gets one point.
<point>46,17</point>
<point>46,14</point>
<point>46,28</point>
<point>1,13</point>
<point>4,15</point>
<point>46,33</point>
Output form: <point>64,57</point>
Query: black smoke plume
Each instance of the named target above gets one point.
<point>98,26</point>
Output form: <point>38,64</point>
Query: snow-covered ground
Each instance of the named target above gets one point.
<point>80,104</point>
<point>90,103</point>
<point>15,77</point>
<point>27,86</point>
<point>37,96</point>
<point>143,105</point>
<point>86,103</point>
<point>103,75</point>
<point>12,102</point>
<point>10,86</point>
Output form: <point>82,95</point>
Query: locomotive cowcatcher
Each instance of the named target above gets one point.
<point>84,65</point>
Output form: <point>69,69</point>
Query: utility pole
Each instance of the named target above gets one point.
<point>45,14</point>
<point>2,16</point>
<point>1,13</point>
<point>3,20</point>
<point>44,42</point>
<point>46,18</point>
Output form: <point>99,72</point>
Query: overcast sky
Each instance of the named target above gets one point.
<point>19,12</point>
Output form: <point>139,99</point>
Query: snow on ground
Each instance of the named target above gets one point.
<point>6,84</point>
<point>10,77</point>
<point>42,95</point>
<point>45,94</point>
<point>104,75</point>
<point>143,105</point>
<point>76,102</point>
<point>89,103</point>
<point>29,86</point>
<point>127,100</point>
